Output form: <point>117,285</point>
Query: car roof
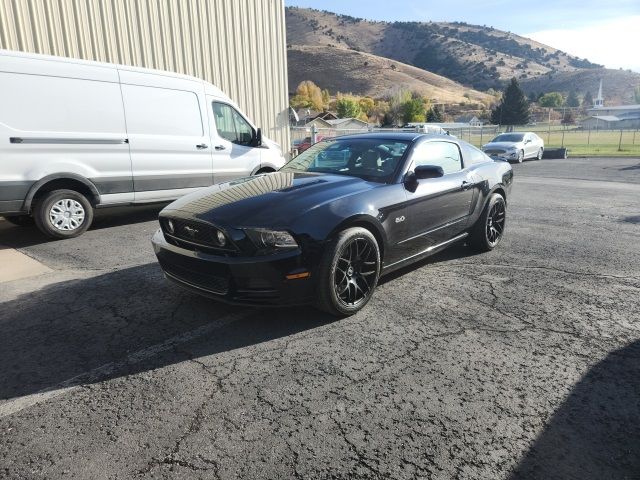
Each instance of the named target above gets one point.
<point>404,136</point>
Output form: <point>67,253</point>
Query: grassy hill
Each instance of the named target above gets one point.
<point>349,71</point>
<point>478,56</point>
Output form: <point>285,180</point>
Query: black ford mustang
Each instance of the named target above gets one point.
<point>325,227</point>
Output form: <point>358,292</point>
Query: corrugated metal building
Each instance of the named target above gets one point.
<point>238,45</point>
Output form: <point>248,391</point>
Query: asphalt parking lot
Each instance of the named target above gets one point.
<point>520,363</point>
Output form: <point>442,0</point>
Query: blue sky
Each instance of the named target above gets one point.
<point>606,32</point>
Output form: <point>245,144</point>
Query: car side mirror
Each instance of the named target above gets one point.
<point>422,172</point>
<point>257,138</point>
<point>528,140</point>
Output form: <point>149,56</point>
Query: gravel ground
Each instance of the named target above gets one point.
<point>520,363</point>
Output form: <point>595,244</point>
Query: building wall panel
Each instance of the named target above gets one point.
<point>238,45</point>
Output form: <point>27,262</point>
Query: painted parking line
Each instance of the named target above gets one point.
<point>9,407</point>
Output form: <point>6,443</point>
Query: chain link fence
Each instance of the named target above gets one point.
<point>578,141</point>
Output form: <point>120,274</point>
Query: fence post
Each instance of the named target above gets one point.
<point>620,142</point>
<point>481,135</point>
<point>314,134</point>
<point>589,136</point>
<point>634,137</point>
<point>562,144</point>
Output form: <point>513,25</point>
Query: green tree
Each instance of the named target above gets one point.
<point>587,100</point>
<point>573,100</point>
<point>398,98</point>
<point>348,107</point>
<point>413,110</point>
<point>434,115</point>
<point>513,109</point>
<point>636,94</point>
<point>551,100</point>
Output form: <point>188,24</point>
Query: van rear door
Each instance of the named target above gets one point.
<point>168,135</point>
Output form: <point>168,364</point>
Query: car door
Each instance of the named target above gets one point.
<point>530,147</point>
<point>235,153</point>
<point>168,136</point>
<point>437,208</point>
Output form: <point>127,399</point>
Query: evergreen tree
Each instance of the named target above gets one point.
<point>572,99</point>
<point>587,100</point>
<point>434,115</point>
<point>513,109</point>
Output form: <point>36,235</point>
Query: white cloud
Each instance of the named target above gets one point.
<point>612,43</point>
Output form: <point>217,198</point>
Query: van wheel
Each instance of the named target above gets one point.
<point>20,220</point>
<point>63,214</point>
<point>265,170</point>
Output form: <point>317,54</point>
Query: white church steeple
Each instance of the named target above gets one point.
<point>599,101</point>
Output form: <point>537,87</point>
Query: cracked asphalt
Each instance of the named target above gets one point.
<point>520,363</point>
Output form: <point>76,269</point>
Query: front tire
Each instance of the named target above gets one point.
<point>348,272</point>
<point>540,153</point>
<point>489,228</point>
<point>63,214</point>
<point>520,156</point>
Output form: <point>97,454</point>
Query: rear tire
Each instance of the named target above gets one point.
<point>348,273</point>
<point>489,228</point>
<point>63,214</point>
<point>20,220</point>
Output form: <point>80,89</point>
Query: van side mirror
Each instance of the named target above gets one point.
<point>257,138</point>
<point>428,171</point>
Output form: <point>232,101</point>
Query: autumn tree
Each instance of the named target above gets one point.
<point>308,95</point>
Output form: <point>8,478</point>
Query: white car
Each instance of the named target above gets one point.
<point>77,135</point>
<point>515,146</point>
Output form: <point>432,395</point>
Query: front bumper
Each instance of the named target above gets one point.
<point>259,280</point>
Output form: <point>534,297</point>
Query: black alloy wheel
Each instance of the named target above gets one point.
<point>355,271</point>
<point>495,223</point>
<point>349,272</point>
<point>488,230</point>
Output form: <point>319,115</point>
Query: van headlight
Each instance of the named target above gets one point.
<point>271,240</point>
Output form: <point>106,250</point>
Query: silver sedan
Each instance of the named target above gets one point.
<point>515,146</point>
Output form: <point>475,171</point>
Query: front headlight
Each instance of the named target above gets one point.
<point>271,239</point>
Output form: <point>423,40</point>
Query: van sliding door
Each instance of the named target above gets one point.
<point>168,139</point>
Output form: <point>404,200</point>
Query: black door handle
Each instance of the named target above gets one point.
<point>202,146</point>
<point>467,185</point>
<point>219,147</point>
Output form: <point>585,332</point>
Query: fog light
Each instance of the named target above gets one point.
<point>170,226</point>
<point>222,240</point>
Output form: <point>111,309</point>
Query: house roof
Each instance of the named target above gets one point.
<point>319,122</point>
<point>340,121</point>
<point>606,118</point>
<point>618,107</point>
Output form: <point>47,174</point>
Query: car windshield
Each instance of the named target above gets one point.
<point>509,137</point>
<point>372,159</point>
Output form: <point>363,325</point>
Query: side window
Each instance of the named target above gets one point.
<point>442,154</point>
<point>230,124</point>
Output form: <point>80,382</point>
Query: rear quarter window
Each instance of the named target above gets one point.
<point>473,155</point>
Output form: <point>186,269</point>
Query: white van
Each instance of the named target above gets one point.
<point>77,135</point>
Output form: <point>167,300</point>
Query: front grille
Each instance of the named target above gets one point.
<point>215,283</point>
<point>192,235</point>
<point>494,151</point>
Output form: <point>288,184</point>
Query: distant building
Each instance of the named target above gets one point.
<point>611,118</point>
<point>348,124</point>
<point>470,120</point>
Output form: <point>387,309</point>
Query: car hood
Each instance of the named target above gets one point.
<point>503,145</point>
<point>270,200</point>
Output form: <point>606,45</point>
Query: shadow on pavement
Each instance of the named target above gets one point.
<point>595,434</point>
<point>69,328</point>
<point>27,236</point>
